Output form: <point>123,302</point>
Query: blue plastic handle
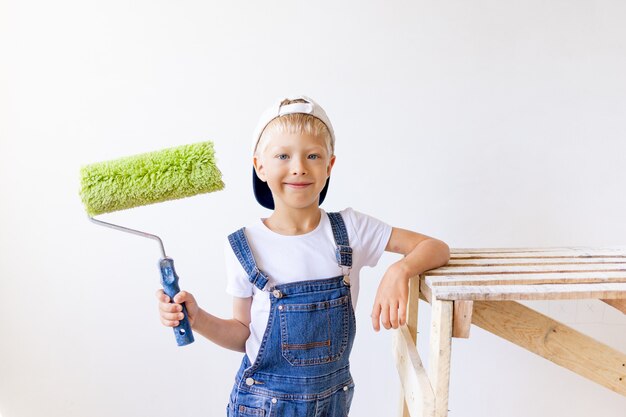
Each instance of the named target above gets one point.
<point>169,280</point>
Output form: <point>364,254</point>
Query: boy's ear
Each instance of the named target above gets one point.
<point>259,168</point>
<point>330,165</point>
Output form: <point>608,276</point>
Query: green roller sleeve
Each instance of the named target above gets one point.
<point>149,178</point>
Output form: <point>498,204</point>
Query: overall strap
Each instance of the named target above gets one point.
<point>343,252</point>
<point>240,246</point>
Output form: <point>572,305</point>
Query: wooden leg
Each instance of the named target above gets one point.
<point>462,318</point>
<point>418,393</point>
<point>413,304</point>
<point>439,359</point>
<point>404,409</point>
<point>411,314</point>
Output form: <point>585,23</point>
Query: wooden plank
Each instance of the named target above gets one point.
<point>403,409</point>
<point>528,292</point>
<point>418,393</point>
<point>412,307</point>
<point>526,253</point>
<point>529,269</point>
<point>457,251</point>
<point>462,319</point>
<point>412,320</point>
<point>553,341</point>
<point>618,304</point>
<point>532,279</point>
<point>547,249</point>
<point>576,249</point>
<point>532,261</point>
<point>425,290</point>
<point>439,359</point>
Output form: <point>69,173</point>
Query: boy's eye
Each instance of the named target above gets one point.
<point>284,156</point>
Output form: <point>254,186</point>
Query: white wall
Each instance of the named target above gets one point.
<point>485,123</point>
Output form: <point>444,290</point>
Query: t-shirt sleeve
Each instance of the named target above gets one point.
<point>237,283</point>
<point>372,236</point>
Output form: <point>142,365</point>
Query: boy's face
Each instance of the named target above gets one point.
<point>295,167</point>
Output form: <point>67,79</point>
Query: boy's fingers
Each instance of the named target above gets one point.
<point>393,316</point>
<point>169,323</point>
<point>171,312</point>
<point>384,317</point>
<point>162,297</point>
<point>402,314</point>
<point>174,316</point>
<point>170,307</point>
<point>182,297</point>
<point>179,298</point>
<point>376,317</point>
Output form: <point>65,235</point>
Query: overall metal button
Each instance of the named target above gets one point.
<point>277,294</point>
<point>274,400</point>
<point>249,382</point>
<point>345,388</point>
<point>346,280</point>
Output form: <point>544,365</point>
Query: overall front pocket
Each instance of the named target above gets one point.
<point>314,333</point>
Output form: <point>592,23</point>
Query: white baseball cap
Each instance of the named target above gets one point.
<point>262,192</point>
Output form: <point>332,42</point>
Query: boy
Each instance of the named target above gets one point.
<point>295,324</point>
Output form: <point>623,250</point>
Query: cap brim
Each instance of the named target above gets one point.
<point>263,194</point>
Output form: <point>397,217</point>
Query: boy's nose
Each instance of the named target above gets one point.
<point>298,166</point>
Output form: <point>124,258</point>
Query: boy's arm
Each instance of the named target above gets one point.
<point>422,253</point>
<point>229,333</point>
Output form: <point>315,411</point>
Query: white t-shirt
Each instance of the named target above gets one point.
<point>285,259</point>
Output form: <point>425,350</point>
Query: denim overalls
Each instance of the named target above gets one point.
<point>302,366</point>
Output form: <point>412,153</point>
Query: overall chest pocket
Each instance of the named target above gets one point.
<point>314,333</point>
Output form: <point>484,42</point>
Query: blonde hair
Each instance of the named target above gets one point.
<point>296,123</point>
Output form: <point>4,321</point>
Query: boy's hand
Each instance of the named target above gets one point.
<point>171,313</point>
<point>391,298</point>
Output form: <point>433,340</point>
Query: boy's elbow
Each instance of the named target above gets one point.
<point>447,253</point>
<point>443,251</point>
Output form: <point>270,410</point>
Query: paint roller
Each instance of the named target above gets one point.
<point>149,178</point>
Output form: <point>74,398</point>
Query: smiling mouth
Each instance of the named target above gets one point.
<point>298,185</point>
